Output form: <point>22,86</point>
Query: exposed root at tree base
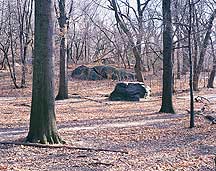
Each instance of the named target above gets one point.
<point>44,139</point>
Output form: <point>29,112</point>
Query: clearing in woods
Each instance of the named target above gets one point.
<point>154,141</point>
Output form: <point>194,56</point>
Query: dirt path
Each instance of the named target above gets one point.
<point>89,125</point>
<point>126,124</point>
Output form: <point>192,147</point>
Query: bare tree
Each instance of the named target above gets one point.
<point>199,66</point>
<point>42,119</point>
<point>63,20</point>
<point>191,66</point>
<point>167,105</point>
<point>134,43</point>
<point>24,11</point>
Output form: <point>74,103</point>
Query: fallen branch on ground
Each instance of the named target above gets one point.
<point>201,99</point>
<point>101,163</point>
<point>207,117</point>
<point>90,99</point>
<point>22,104</point>
<point>62,146</point>
<point>210,118</point>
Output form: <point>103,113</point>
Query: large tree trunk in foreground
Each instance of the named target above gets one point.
<point>167,106</point>
<point>42,119</point>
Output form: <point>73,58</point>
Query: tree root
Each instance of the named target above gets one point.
<point>44,139</point>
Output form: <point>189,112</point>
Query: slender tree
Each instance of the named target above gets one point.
<point>191,66</point>
<point>199,65</point>
<point>24,12</point>
<point>43,127</point>
<point>135,44</point>
<point>63,21</point>
<point>167,105</point>
<point>213,71</point>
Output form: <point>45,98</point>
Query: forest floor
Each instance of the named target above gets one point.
<point>129,136</point>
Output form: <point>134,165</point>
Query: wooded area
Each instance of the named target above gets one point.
<point>107,85</point>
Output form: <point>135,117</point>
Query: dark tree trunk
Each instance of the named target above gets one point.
<point>185,59</point>
<point>185,62</point>
<point>63,79</point>
<point>137,67</point>
<point>21,41</point>
<point>3,64</point>
<point>63,76</point>
<point>195,58</point>
<point>199,67</point>
<point>212,76</point>
<point>167,105</point>
<point>43,127</point>
<point>178,66</point>
<point>12,74</point>
<point>213,71</point>
<point>192,124</point>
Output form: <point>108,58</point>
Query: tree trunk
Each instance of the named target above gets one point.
<point>21,40</point>
<point>3,64</point>
<point>195,58</point>
<point>63,75</point>
<point>212,76</point>
<point>213,71</point>
<point>167,106</point>
<point>185,62</point>
<point>178,65</point>
<point>137,67</point>
<point>192,123</point>
<point>43,127</point>
<point>176,19</point>
<point>199,67</point>
<point>12,74</point>
<point>63,80</point>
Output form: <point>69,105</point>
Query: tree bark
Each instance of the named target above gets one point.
<point>192,123</point>
<point>199,67</point>
<point>43,127</point>
<point>213,71</point>
<point>63,75</point>
<point>212,76</point>
<point>63,78</point>
<point>167,105</point>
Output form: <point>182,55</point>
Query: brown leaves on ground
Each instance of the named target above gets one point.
<point>155,141</point>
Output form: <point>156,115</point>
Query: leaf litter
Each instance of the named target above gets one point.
<point>154,141</point>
